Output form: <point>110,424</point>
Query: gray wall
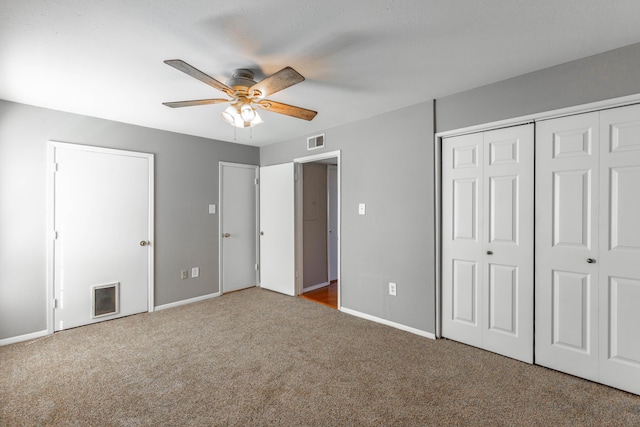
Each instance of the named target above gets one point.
<point>186,181</point>
<point>387,163</point>
<point>600,77</point>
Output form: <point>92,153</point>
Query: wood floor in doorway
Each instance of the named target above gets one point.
<point>327,295</point>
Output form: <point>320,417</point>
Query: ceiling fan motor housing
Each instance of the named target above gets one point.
<point>241,79</point>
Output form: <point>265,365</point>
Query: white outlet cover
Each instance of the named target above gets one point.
<point>392,288</point>
<point>361,209</point>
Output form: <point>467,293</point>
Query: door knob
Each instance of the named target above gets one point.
<point>489,252</point>
<point>227,235</point>
<point>143,243</point>
<point>262,233</point>
<point>591,260</point>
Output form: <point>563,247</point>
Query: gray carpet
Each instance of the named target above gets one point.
<point>256,358</point>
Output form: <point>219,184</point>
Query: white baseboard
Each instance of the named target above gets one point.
<point>26,337</point>
<point>314,287</point>
<point>185,301</point>
<point>389,323</point>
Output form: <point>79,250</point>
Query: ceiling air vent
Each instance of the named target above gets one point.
<point>314,142</point>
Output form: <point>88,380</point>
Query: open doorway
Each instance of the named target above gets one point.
<point>317,228</point>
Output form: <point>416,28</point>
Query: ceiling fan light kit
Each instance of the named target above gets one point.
<point>246,95</point>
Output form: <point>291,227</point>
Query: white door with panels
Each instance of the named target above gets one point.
<point>588,246</point>
<point>238,226</point>
<point>277,229</point>
<point>487,240</point>
<point>103,213</point>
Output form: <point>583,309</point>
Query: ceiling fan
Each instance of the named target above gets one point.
<point>246,95</point>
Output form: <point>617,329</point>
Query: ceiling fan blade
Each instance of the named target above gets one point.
<point>194,102</point>
<point>178,64</point>
<point>289,110</point>
<point>278,81</point>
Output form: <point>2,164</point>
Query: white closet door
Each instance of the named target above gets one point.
<point>488,240</point>
<point>588,246</point>
<point>462,238</point>
<point>508,242</point>
<point>619,258</point>
<point>566,238</point>
<point>277,229</point>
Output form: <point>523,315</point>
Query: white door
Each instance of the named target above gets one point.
<point>619,257</point>
<point>588,246</point>
<point>462,238</point>
<point>332,207</point>
<point>488,240</point>
<point>102,219</point>
<point>566,238</point>
<point>238,226</point>
<point>277,229</point>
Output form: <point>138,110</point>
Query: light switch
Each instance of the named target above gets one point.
<point>361,209</point>
<point>212,209</point>
<point>195,272</point>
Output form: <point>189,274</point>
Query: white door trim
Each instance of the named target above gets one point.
<point>50,234</point>
<point>220,214</point>
<point>298,203</point>
<point>439,136</point>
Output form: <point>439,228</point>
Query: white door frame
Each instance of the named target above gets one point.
<point>439,136</point>
<point>51,233</point>
<point>330,209</point>
<point>298,214</point>
<point>220,214</point>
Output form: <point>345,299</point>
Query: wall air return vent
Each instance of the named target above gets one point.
<point>314,142</point>
<point>105,299</point>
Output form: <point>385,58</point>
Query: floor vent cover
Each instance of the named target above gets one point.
<point>105,299</point>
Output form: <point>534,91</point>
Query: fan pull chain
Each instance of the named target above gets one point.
<point>235,130</point>
<point>251,132</point>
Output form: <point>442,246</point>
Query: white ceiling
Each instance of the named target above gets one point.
<point>103,58</point>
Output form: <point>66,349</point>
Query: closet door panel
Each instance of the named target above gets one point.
<point>461,242</point>
<point>619,261</point>
<point>508,242</point>
<point>566,293</point>
<point>487,266</point>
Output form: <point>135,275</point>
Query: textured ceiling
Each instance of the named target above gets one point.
<point>103,58</point>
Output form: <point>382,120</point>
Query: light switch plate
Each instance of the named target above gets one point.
<point>361,209</point>
<point>212,209</point>
<point>195,272</point>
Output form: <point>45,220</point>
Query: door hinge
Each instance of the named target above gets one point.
<point>257,267</point>
<point>55,235</point>
<point>295,176</point>
<point>257,181</point>
<point>55,303</point>
<point>56,167</point>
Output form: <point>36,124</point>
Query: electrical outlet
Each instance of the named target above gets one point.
<point>392,288</point>
<point>184,274</point>
<point>195,272</point>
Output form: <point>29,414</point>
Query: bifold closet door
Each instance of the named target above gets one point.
<point>487,235</point>
<point>588,246</point>
<point>566,239</point>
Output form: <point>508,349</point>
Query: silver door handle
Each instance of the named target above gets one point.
<point>591,260</point>
<point>226,235</point>
<point>143,243</point>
